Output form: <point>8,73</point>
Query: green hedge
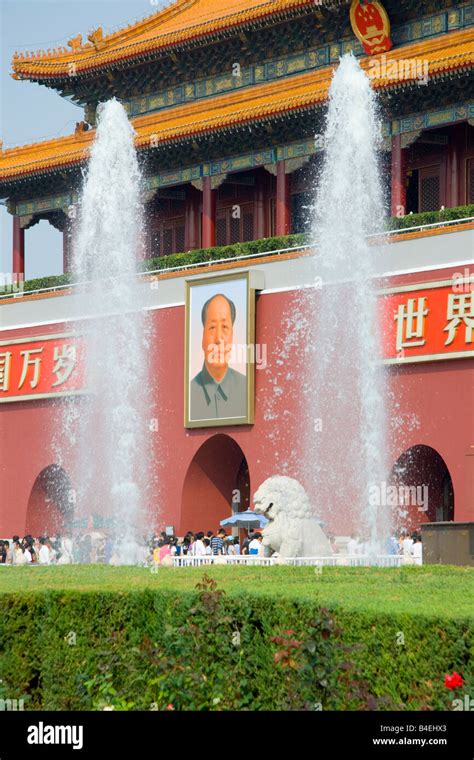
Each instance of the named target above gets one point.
<point>430,217</point>
<point>53,281</point>
<point>204,650</point>
<point>225,252</point>
<point>260,246</point>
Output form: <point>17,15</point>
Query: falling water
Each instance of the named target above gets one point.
<point>111,453</point>
<point>347,385</point>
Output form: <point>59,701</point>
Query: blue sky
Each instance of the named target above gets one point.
<point>31,112</point>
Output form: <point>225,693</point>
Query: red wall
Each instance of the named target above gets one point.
<point>435,408</point>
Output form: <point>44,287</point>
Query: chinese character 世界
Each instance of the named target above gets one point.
<point>34,362</point>
<point>411,323</point>
<point>65,361</point>
<point>460,309</point>
<point>5,367</point>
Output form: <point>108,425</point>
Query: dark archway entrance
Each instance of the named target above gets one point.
<point>217,483</point>
<point>51,503</point>
<point>422,473</point>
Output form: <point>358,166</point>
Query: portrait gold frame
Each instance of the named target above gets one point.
<point>250,339</point>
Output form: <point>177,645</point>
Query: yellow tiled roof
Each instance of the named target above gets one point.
<point>451,52</point>
<point>181,22</point>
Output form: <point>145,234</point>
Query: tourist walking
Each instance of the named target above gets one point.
<point>44,557</point>
<point>406,544</point>
<point>417,550</point>
<point>8,553</point>
<point>256,545</point>
<point>198,549</point>
<point>217,542</point>
<point>66,552</point>
<point>18,555</point>
<point>353,546</point>
<point>246,542</point>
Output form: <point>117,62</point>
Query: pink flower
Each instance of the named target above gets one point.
<point>169,707</point>
<point>454,681</point>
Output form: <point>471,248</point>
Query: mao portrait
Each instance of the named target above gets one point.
<point>219,327</point>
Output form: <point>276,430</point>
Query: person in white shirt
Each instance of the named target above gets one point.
<point>256,546</point>
<point>406,544</point>
<point>44,553</point>
<point>66,557</point>
<point>353,546</point>
<point>199,550</point>
<point>18,554</point>
<point>418,551</point>
<point>362,547</point>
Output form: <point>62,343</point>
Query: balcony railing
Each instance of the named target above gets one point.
<point>198,259</point>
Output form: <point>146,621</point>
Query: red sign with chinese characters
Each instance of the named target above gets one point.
<point>433,321</point>
<point>371,25</point>
<point>41,367</point>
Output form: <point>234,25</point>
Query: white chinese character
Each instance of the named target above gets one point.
<point>65,358</point>
<point>411,323</point>
<point>460,309</point>
<point>5,367</point>
<point>35,363</point>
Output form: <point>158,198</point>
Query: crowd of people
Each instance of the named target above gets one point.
<point>200,544</point>
<point>42,550</point>
<point>403,543</point>
<point>161,548</point>
<point>50,550</point>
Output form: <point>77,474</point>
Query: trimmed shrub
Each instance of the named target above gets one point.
<point>158,649</point>
<point>47,282</point>
<point>430,217</point>
<point>225,252</point>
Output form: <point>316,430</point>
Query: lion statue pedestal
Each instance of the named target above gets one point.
<point>293,530</point>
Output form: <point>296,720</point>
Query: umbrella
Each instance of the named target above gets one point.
<point>247,519</point>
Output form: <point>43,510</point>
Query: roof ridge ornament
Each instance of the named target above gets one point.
<point>96,37</point>
<point>75,43</point>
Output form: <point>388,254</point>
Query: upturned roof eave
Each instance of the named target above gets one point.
<point>191,123</point>
<point>90,62</point>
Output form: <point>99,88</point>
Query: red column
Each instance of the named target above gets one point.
<point>455,147</point>
<point>399,176</point>
<point>191,220</point>
<point>260,216</point>
<point>283,198</point>
<point>65,249</point>
<point>208,214</point>
<point>18,257</point>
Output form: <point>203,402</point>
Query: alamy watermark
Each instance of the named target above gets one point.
<point>400,70</point>
<point>385,495</point>
<point>12,705</point>
<point>238,353</point>
<point>10,282</point>
<point>466,704</point>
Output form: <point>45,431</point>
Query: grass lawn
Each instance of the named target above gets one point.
<point>443,591</point>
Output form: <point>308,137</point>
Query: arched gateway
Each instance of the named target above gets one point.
<point>51,502</point>
<point>427,483</point>
<point>217,475</point>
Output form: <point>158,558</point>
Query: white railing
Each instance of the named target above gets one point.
<point>336,560</point>
<point>346,560</point>
<point>236,559</point>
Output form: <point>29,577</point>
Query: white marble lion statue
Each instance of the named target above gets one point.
<point>293,530</point>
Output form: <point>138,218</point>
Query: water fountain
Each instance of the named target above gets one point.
<point>348,443</point>
<point>111,447</point>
